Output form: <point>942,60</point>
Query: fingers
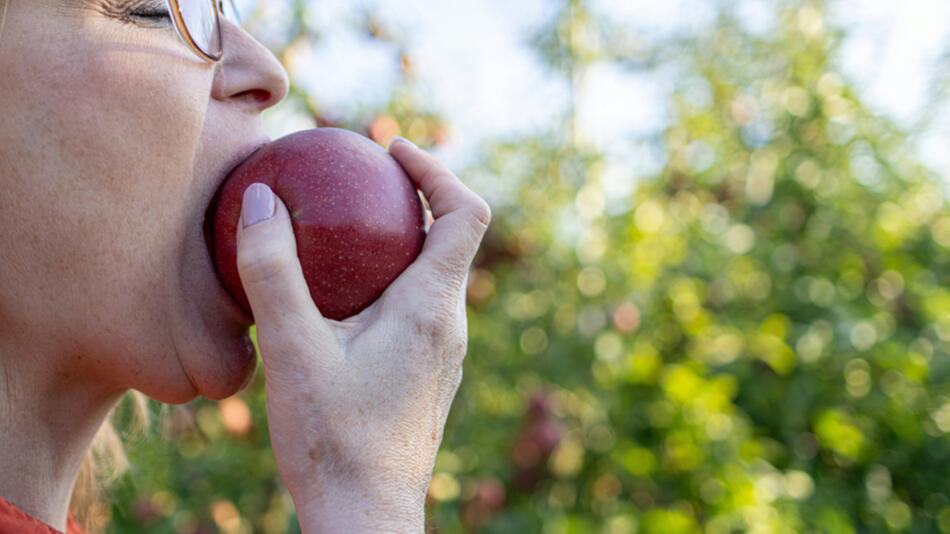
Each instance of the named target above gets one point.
<point>460,216</point>
<point>442,189</point>
<point>270,270</point>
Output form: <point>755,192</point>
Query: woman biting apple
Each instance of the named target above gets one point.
<point>119,120</point>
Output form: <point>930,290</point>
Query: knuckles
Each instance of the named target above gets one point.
<point>481,211</point>
<point>261,267</point>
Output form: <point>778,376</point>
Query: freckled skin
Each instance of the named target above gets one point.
<point>113,138</point>
<point>357,218</point>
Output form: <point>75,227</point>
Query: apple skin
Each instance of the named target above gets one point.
<point>357,218</point>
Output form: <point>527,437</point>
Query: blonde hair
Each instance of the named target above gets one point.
<point>106,461</point>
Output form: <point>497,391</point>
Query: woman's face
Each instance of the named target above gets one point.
<point>114,136</point>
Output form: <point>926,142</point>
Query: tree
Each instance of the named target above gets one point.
<point>757,342</point>
<point>757,339</point>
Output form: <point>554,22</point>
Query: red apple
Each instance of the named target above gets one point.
<point>357,218</point>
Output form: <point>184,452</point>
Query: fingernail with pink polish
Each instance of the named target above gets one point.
<point>399,139</point>
<point>258,204</point>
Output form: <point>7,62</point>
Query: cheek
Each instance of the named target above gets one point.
<point>97,137</point>
<point>105,111</point>
<point>130,126</point>
<point>113,125</point>
<point>116,128</point>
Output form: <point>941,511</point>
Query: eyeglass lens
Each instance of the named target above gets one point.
<point>202,23</point>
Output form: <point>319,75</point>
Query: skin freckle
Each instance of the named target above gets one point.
<point>426,330</point>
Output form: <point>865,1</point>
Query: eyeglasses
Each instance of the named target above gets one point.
<point>198,23</point>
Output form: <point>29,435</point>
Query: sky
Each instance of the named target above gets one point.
<point>480,74</point>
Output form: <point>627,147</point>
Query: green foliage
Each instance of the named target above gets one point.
<point>757,340</point>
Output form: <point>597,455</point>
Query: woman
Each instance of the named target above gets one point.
<point>114,134</point>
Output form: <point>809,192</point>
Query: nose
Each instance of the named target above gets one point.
<point>248,73</point>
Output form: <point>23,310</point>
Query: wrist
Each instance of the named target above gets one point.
<point>331,506</point>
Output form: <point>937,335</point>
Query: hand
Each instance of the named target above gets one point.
<point>356,408</point>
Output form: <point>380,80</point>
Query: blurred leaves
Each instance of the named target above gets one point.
<point>756,340</point>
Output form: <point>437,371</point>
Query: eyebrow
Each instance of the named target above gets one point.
<point>70,5</point>
<point>98,5</point>
<point>105,7</point>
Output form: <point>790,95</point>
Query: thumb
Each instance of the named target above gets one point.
<point>267,261</point>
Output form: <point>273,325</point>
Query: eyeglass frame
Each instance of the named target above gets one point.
<point>174,10</point>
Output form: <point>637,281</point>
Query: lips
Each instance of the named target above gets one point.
<point>226,168</point>
<point>208,222</point>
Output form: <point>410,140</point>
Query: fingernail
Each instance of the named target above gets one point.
<point>398,139</point>
<point>258,204</point>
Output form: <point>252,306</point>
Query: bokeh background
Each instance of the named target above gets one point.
<point>715,296</point>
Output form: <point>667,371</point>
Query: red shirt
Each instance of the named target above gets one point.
<point>16,521</point>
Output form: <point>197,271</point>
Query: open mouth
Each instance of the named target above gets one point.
<point>208,225</point>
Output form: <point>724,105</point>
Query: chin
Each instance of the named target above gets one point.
<point>217,355</point>
<point>230,371</point>
<point>214,368</point>
<point>210,329</point>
